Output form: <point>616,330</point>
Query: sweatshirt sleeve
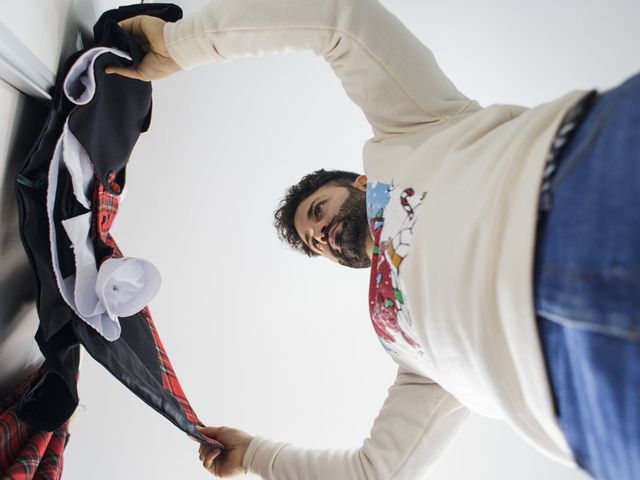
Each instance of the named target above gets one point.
<point>383,67</point>
<point>415,426</point>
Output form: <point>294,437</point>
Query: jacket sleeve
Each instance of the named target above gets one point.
<point>415,426</point>
<point>384,68</point>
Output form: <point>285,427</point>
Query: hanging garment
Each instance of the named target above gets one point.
<point>101,290</point>
<point>65,217</point>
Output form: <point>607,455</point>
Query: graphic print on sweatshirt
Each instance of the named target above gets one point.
<point>392,215</point>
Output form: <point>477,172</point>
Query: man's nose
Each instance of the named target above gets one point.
<point>321,234</point>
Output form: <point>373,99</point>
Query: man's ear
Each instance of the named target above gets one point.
<point>361,183</point>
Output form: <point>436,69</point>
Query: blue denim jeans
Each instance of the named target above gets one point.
<point>587,287</point>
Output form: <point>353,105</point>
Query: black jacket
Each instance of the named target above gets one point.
<point>108,127</point>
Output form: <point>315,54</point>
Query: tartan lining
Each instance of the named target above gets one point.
<point>105,207</point>
<point>27,455</point>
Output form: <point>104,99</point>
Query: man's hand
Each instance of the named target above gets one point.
<point>229,463</point>
<point>157,63</point>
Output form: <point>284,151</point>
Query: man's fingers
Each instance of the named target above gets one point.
<point>209,458</point>
<point>125,72</point>
<point>157,63</point>
<point>211,432</point>
<point>131,25</point>
<point>206,449</point>
<point>208,455</point>
<point>126,25</point>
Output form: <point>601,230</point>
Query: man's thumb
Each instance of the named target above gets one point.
<point>210,432</point>
<point>124,72</point>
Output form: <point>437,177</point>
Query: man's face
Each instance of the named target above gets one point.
<point>332,222</point>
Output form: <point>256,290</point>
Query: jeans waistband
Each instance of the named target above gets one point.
<point>568,126</point>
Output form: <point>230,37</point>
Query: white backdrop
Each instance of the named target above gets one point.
<point>269,341</point>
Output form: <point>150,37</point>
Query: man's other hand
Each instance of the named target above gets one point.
<point>157,63</point>
<point>229,462</point>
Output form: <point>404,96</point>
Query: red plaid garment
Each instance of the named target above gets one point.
<point>105,207</point>
<point>169,380</point>
<point>24,454</point>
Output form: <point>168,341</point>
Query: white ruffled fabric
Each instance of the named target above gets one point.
<point>121,286</point>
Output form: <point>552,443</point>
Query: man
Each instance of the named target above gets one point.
<point>502,242</point>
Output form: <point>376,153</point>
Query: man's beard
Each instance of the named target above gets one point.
<point>352,239</point>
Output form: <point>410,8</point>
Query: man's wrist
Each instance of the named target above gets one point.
<point>250,452</point>
<point>185,45</point>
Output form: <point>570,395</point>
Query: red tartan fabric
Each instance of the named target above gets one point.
<point>169,380</point>
<point>105,207</point>
<point>24,454</point>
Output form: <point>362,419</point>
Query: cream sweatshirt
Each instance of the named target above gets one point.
<point>460,181</point>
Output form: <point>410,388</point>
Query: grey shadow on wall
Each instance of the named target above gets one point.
<point>17,282</point>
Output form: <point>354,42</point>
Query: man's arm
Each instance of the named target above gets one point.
<point>415,426</point>
<point>384,68</point>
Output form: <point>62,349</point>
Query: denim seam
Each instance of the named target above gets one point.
<point>623,333</point>
<point>616,273</point>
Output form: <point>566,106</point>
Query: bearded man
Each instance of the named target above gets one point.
<point>503,244</point>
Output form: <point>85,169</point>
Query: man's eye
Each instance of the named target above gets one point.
<point>318,210</point>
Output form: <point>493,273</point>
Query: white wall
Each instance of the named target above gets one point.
<point>41,26</point>
<point>269,341</point>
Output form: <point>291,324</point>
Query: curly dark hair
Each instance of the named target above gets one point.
<point>283,216</point>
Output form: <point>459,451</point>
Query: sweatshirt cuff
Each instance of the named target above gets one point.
<point>260,456</point>
<point>186,45</point>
